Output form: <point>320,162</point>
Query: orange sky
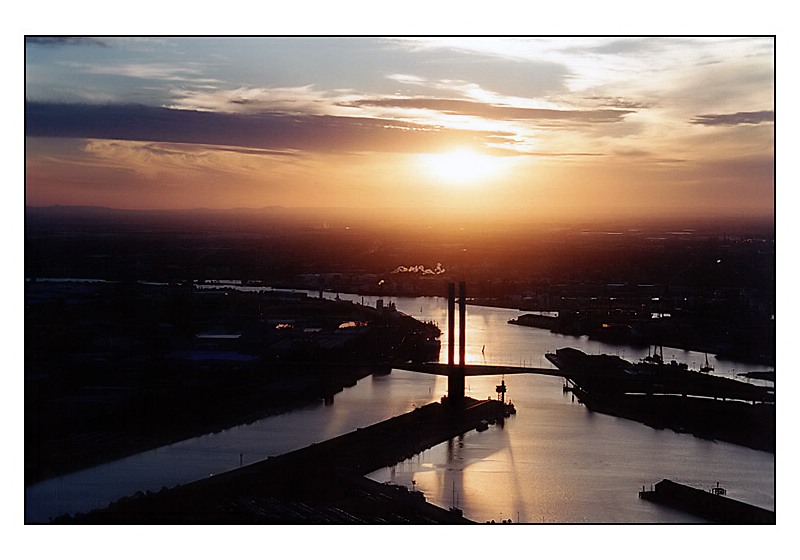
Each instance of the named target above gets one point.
<point>510,127</point>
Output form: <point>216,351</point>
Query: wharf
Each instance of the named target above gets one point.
<point>668,396</point>
<point>611,376</point>
<point>321,483</point>
<point>710,505</point>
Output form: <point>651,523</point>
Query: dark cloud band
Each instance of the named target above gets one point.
<point>63,41</point>
<point>733,119</point>
<point>489,111</point>
<point>270,131</point>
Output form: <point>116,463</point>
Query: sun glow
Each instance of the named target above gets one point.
<point>463,167</point>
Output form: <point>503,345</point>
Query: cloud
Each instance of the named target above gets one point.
<point>491,111</point>
<point>618,102</point>
<point>733,119</point>
<point>64,41</point>
<point>511,66</point>
<point>150,71</point>
<point>302,99</point>
<point>265,130</point>
<point>627,46</point>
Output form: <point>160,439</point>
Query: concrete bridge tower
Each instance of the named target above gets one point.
<point>455,372</point>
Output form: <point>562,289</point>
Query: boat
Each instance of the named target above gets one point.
<point>714,505</point>
<point>603,375</point>
<point>706,368</point>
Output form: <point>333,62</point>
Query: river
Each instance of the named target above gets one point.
<point>552,462</point>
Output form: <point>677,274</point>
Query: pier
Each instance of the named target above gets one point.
<point>604,375</point>
<point>669,396</point>
<point>713,505</point>
<point>321,483</point>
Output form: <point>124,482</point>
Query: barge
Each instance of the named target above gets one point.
<point>712,505</point>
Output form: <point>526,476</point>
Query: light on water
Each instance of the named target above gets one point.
<point>554,461</point>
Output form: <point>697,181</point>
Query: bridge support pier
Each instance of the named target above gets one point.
<point>456,373</point>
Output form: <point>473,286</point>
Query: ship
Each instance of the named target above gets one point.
<point>670,395</point>
<point>606,375</point>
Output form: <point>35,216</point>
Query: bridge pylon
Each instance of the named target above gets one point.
<point>455,372</point>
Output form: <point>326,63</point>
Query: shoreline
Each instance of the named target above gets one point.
<point>245,409</point>
<point>321,483</point>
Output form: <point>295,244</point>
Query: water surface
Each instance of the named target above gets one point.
<point>553,462</point>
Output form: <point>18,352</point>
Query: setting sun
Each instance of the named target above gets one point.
<point>463,167</point>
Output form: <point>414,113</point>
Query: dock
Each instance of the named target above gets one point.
<point>321,483</point>
<point>671,396</point>
<point>605,375</point>
<point>712,505</point>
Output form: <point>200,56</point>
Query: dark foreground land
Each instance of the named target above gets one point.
<point>116,368</point>
<point>322,483</point>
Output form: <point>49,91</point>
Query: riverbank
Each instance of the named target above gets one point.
<point>728,341</point>
<point>740,423</point>
<point>153,422</point>
<point>321,483</point>
<point>116,369</point>
<point>670,396</point>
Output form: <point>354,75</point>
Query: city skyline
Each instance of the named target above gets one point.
<point>512,127</point>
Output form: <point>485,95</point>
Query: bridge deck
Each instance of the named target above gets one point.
<point>474,369</point>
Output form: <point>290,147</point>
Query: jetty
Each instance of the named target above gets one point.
<point>712,505</point>
<point>664,395</point>
<point>321,483</point>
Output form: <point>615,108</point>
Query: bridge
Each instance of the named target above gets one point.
<point>456,373</point>
<point>469,370</point>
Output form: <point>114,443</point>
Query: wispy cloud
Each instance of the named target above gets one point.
<point>733,119</point>
<point>302,99</point>
<point>150,71</point>
<point>617,102</point>
<point>457,87</point>
<point>153,157</point>
<point>491,111</point>
<point>64,41</point>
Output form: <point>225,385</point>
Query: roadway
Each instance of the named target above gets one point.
<point>471,370</point>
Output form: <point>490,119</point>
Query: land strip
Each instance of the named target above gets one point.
<point>114,369</point>
<point>321,483</point>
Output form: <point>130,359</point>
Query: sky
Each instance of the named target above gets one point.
<point>501,126</point>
